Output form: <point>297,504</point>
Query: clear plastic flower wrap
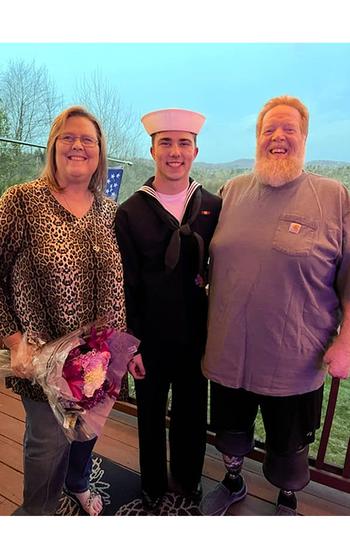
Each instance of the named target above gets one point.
<point>81,375</point>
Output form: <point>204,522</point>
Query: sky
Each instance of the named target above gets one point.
<point>227,82</point>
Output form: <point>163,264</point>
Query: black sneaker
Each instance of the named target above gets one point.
<point>193,493</point>
<point>150,503</point>
<point>196,494</point>
<point>284,510</point>
<point>286,504</point>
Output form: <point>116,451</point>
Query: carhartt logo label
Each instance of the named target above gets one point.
<point>294,228</point>
<point>205,212</point>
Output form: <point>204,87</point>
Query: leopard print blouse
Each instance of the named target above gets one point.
<point>57,272</point>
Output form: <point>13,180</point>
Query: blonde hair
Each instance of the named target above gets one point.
<point>285,100</point>
<point>99,178</point>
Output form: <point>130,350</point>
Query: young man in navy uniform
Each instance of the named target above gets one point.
<point>164,230</point>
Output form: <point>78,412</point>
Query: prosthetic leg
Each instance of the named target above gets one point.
<point>234,446</point>
<point>290,473</point>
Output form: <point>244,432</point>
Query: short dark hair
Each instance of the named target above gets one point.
<point>155,134</point>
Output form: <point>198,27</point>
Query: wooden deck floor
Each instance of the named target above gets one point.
<point>119,443</point>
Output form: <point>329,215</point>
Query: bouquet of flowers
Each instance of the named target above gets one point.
<point>81,375</point>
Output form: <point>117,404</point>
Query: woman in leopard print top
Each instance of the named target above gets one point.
<point>52,279</point>
<point>60,268</point>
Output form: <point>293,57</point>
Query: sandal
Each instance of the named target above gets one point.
<point>88,501</point>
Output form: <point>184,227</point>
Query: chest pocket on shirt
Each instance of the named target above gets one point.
<point>295,235</point>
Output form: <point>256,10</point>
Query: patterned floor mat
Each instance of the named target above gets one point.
<point>120,489</point>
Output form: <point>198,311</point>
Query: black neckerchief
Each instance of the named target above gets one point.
<point>194,196</point>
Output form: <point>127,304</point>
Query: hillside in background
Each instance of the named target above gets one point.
<point>18,166</point>
<point>213,175</point>
<point>248,164</point>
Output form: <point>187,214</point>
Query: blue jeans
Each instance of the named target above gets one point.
<point>50,461</point>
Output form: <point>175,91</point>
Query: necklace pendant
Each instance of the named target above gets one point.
<point>96,248</point>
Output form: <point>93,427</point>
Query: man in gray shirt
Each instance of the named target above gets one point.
<point>279,307</point>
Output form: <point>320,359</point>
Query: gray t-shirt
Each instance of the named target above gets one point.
<point>280,264</point>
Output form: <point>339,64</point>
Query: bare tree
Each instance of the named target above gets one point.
<point>29,99</point>
<point>28,105</point>
<point>119,123</point>
<point>5,153</point>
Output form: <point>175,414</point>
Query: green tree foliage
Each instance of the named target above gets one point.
<point>341,172</point>
<point>212,177</point>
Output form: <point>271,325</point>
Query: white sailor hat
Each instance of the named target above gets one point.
<point>173,119</point>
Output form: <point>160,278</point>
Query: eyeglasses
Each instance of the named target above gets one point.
<point>87,141</point>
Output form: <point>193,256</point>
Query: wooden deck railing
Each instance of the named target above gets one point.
<point>331,475</point>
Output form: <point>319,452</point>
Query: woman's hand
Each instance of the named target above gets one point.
<point>136,367</point>
<point>22,355</point>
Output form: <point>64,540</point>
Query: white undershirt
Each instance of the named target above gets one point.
<point>174,203</point>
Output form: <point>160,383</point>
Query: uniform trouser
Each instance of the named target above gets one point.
<point>50,461</point>
<point>188,419</point>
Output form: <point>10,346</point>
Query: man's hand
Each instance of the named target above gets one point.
<point>136,367</point>
<point>337,358</point>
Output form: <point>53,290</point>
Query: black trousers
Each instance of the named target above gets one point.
<point>180,369</point>
<point>290,422</point>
